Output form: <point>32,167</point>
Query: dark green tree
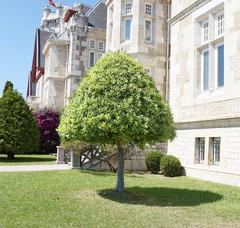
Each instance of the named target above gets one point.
<point>8,86</point>
<point>18,129</point>
<point>117,103</point>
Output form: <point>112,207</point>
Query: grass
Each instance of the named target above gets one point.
<point>27,160</point>
<point>86,199</point>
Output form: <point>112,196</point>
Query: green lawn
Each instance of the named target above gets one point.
<point>28,160</point>
<point>86,199</point>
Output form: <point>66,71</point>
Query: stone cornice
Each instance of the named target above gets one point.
<point>54,42</point>
<point>187,11</point>
<point>214,123</point>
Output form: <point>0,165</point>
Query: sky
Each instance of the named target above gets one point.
<point>19,20</point>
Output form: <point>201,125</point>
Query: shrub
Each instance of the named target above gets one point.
<point>170,166</point>
<point>18,129</point>
<point>153,162</point>
<point>47,122</point>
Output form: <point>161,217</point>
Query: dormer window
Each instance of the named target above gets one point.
<point>128,8</point>
<point>148,9</point>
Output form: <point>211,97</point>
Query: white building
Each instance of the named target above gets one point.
<point>205,88</point>
<point>69,41</point>
<point>191,48</point>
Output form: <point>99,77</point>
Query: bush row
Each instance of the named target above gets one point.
<point>169,165</point>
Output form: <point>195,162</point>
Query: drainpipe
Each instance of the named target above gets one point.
<point>168,49</point>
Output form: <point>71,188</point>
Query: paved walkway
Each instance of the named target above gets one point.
<point>32,168</point>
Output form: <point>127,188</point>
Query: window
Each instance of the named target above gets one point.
<point>128,8</point>
<point>127,28</point>
<point>99,55</point>
<point>148,9</point>
<point>215,150</point>
<point>205,69</point>
<point>100,45</point>
<point>147,70</point>
<point>210,46</point>
<point>220,65</point>
<point>200,150</point>
<point>219,24</point>
<point>92,44</point>
<point>148,30</point>
<point>205,31</point>
<point>91,59</point>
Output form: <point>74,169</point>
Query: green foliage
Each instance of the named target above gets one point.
<point>153,162</point>
<point>170,166</point>
<point>8,86</point>
<point>117,102</point>
<point>18,129</point>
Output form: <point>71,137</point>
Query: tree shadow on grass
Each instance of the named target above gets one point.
<point>163,197</point>
<point>25,159</point>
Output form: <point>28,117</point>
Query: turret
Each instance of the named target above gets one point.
<point>59,10</point>
<point>46,13</point>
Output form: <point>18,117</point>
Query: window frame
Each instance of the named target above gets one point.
<point>213,152</point>
<point>99,55</point>
<point>217,64</point>
<point>150,4</point>
<point>103,45</point>
<point>92,40</point>
<point>203,70</point>
<point>148,70</point>
<point>89,62</point>
<point>203,31</point>
<point>216,24</point>
<point>198,158</point>
<point>124,35</point>
<point>151,32</point>
<point>125,8</point>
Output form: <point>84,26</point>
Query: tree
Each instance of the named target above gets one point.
<point>117,103</point>
<point>18,129</point>
<point>8,86</point>
<point>47,122</point>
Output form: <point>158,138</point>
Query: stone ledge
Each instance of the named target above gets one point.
<point>213,174</point>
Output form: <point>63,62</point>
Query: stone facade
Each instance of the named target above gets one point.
<point>68,43</point>
<point>206,102</point>
<point>150,51</point>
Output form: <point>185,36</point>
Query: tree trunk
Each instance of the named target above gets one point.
<point>11,156</point>
<point>120,172</point>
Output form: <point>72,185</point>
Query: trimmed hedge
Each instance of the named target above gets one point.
<point>153,162</point>
<point>170,166</point>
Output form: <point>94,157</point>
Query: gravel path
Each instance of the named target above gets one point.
<point>32,168</point>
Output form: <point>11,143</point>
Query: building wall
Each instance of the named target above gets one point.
<point>152,54</point>
<point>208,114</point>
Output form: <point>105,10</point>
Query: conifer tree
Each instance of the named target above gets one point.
<point>18,129</point>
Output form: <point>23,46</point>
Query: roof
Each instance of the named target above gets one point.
<point>97,15</point>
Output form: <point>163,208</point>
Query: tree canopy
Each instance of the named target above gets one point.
<point>117,103</point>
<point>18,129</point>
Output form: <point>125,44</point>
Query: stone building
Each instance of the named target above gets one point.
<point>140,28</point>
<point>193,56</point>
<point>69,41</point>
<point>204,88</point>
<point>188,49</point>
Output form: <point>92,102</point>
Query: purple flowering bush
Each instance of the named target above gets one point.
<point>47,122</point>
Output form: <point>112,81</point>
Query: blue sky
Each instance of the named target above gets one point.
<point>19,20</point>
